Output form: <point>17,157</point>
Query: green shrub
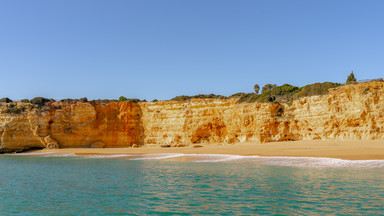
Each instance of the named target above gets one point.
<point>246,97</point>
<point>201,96</point>
<point>286,93</point>
<point>103,101</point>
<point>13,109</point>
<point>237,95</point>
<point>6,100</point>
<point>134,100</point>
<point>154,100</point>
<point>39,101</point>
<point>181,98</point>
<point>24,101</point>
<point>315,89</point>
<point>285,89</point>
<point>70,100</point>
<point>253,97</point>
<point>271,93</point>
<point>210,96</point>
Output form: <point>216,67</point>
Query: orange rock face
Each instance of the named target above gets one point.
<point>206,120</point>
<point>67,125</point>
<point>352,112</point>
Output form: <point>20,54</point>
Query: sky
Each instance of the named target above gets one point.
<point>152,49</point>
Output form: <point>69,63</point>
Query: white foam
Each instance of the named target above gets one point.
<point>45,154</point>
<point>215,157</point>
<point>158,156</point>
<point>32,153</point>
<point>106,156</point>
<point>322,162</point>
<point>265,160</point>
<point>60,155</point>
<point>294,161</point>
<point>219,158</point>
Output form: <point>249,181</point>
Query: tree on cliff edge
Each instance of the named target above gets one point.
<point>122,98</point>
<point>351,79</point>
<point>268,87</point>
<point>256,88</point>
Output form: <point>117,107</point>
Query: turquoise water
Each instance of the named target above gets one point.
<point>42,185</point>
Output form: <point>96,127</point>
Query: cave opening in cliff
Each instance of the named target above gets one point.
<point>30,149</point>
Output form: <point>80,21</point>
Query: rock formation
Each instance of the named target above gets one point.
<point>348,112</point>
<point>66,125</point>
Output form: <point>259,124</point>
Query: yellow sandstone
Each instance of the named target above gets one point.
<point>351,112</point>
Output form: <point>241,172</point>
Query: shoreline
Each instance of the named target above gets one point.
<point>349,150</point>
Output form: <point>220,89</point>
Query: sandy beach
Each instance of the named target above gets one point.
<point>352,150</point>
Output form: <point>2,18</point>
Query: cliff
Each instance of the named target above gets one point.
<point>352,112</point>
<point>63,125</point>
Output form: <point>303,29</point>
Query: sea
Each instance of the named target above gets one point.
<point>188,184</point>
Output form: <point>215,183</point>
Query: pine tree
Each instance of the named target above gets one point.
<point>351,79</point>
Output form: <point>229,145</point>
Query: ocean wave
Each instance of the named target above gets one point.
<point>60,155</point>
<point>161,156</point>
<point>44,154</point>
<point>225,158</point>
<point>107,156</point>
<point>31,153</point>
<point>268,160</point>
<point>296,161</point>
<point>214,158</point>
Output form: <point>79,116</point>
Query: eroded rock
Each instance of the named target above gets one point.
<point>50,143</point>
<point>348,112</point>
<point>98,144</point>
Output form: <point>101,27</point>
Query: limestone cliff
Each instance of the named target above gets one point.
<point>348,112</point>
<point>72,125</point>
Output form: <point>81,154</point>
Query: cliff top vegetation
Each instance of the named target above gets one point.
<point>269,93</point>
<point>202,96</point>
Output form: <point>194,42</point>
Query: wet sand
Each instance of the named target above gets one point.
<point>352,150</point>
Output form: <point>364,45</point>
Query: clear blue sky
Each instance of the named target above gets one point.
<point>163,48</point>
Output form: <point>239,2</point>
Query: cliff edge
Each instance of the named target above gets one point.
<point>350,112</point>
